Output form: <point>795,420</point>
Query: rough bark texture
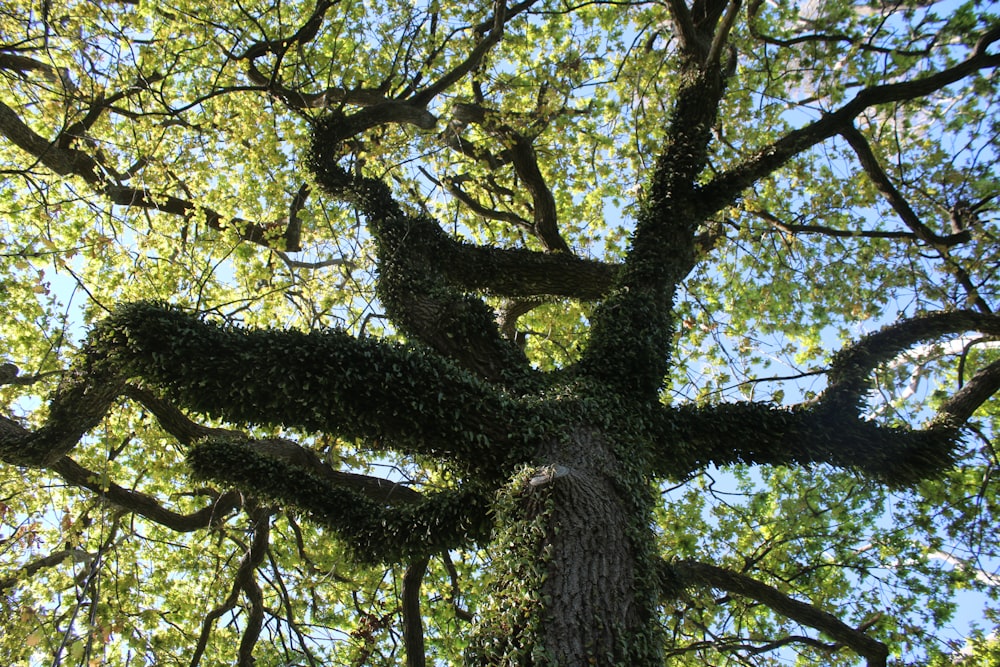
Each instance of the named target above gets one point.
<point>593,585</point>
<point>573,569</point>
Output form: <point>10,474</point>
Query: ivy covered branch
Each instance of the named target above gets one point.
<point>413,283</point>
<point>631,331</point>
<point>851,369</point>
<point>322,381</point>
<point>375,531</point>
<point>832,429</point>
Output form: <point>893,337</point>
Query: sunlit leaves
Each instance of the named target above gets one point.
<point>190,101</point>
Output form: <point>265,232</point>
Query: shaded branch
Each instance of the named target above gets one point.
<point>960,406</point>
<point>63,161</point>
<point>519,151</point>
<point>455,190</point>
<point>24,64</point>
<point>188,431</point>
<point>693,573</point>
<point>713,58</point>
<point>76,407</point>
<point>61,158</point>
<point>791,228</point>
<point>73,412</point>
<point>892,194</point>
<point>902,207</point>
<point>145,505</point>
<point>509,272</point>
<point>492,31</point>
<point>546,217</point>
<point>52,560</point>
<point>692,42</point>
<point>413,626</point>
<point>376,489</point>
<point>832,429</point>
<point>173,421</point>
<point>374,531</point>
<point>245,582</point>
<point>691,438</point>
<point>415,270</point>
<point>510,312</point>
<point>851,369</point>
<point>632,330</point>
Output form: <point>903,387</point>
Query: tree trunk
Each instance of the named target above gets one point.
<point>574,583</point>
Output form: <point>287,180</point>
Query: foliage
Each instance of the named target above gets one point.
<point>417,332</point>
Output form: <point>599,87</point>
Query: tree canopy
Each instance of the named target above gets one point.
<point>542,333</point>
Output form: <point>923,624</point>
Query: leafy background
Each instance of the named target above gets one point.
<point>787,278</point>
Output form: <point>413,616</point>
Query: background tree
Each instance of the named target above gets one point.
<point>544,333</point>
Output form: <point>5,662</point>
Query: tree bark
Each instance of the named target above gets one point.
<point>575,584</point>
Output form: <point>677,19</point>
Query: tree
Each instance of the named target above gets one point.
<point>532,262</point>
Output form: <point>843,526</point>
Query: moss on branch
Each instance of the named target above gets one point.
<point>407,398</point>
<point>852,369</point>
<point>373,531</point>
<point>693,437</point>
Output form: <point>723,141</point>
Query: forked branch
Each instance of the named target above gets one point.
<point>694,573</point>
<point>723,190</point>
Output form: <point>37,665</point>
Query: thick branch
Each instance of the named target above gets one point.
<point>414,282</point>
<point>322,381</point>
<point>691,41</point>
<point>509,272</point>
<point>374,531</point>
<point>246,579</point>
<point>63,161</point>
<point>376,489</point>
<point>173,421</point>
<point>77,406</point>
<point>694,437</point>
<point>632,330</point>
<point>544,204</point>
<point>973,394</point>
<point>832,430</point>
<point>851,369</point>
<point>694,573</point>
<point>521,153</point>
<point>24,64</point>
<point>188,431</point>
